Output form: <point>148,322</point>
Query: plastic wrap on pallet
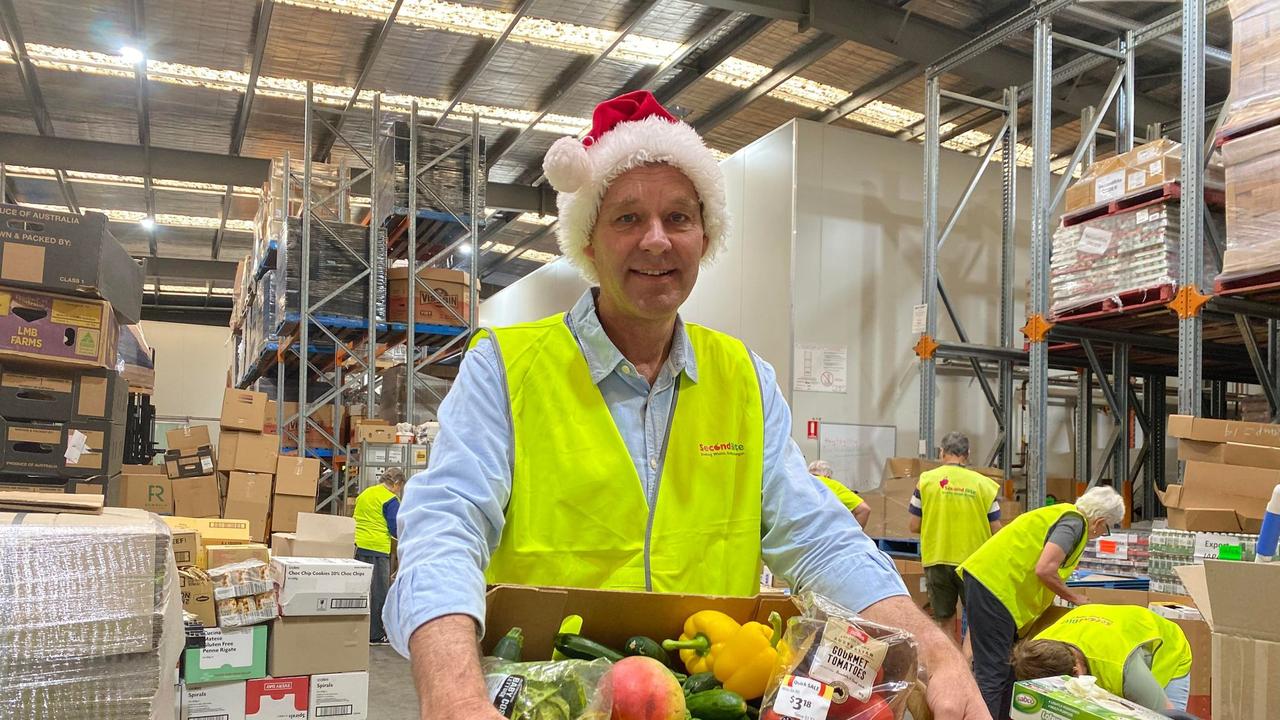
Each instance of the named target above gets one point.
<point>134,359</point>
<point>1113,255</point>
<point>447,175</point>
<point>273,209</point>
<point>1255,65</point>
<point>90,616</point>
<point>428,392</point>
<point>333,265</point>
<point>1253,204</point>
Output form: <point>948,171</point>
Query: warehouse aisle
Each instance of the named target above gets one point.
<point>391,694</point>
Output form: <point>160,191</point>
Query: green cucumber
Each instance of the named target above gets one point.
<point>701,682</point>
<point>648,647</point>
<point>579,648</point>
<point>716,705</point>
<point>511,646</point>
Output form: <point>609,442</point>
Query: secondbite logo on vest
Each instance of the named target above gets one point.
<point>948,489</point>
<point>722,448</point>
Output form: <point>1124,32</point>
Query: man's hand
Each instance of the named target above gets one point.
<point>952,693</point>
<point>446,671</point>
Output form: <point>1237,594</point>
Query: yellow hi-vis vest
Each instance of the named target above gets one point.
<point>1006,564</point>
<point>1109,634</point>
<point>579,515</point>
<point>848,498</point>
<point>955,501</point>
<point>371,524</point>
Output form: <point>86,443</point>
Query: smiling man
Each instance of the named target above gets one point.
<point>617,446</point>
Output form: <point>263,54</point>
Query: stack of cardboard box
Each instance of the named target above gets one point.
<point>66,287</point>
<point>247,459</point>
<point>1232,468</point>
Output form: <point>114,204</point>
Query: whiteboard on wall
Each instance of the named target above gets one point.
<point>857,453</point>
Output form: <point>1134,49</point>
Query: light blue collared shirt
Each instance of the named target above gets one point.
<point>452,514</point>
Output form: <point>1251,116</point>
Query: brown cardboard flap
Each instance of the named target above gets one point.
<point>1237,592</point>
<point>51,502</point>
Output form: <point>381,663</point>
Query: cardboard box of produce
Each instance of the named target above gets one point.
<point>197,596</point>
<point>189,463</point>
<point>218,555</point>
<point>1246,637</point>
<point>138,486</point>
<point>451,286</point>
<point>224,701</point>
<point>249,497</point>
<point>286,508</point>
<point>69,253</point>
<point>228,654</point>
<point>248,452</point>
<point>912,573</point>
<point>186,547</point>
<point>344,695</point>
<point>243,410</point>
<point>32,391</point>
<point>188,437</point>
<point>44,326</point>
<point>314,645</point>
<point>1048,699</point>
<point>322,586</point>
<point>79,449</point>
<point>1219,498</point>
<point>196,497</point>
<point>1259,456</point>
<point>297,476</point>
<point>278,699</point>
<point>613,616</point>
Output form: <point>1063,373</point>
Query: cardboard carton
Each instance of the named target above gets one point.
<point>1246,637</point>
<point>249,498</point>
<point>344,695</point>
<point>297,476</point>
<point>219,555</point>
<point>30,391</point>
<point>277,699</point>
<point>1048,699</point>
<point>318,535</point>
<point>186,547</point>
<point>77,449</point>
<point>287,543</point>
<point>71,254</point>
<point>912,573</point>
<point>322,586</point>
<point>450,286</point>
<point>1259,456</point>
<point>212,531</point>
<point>196,497</point>
<point>228,654</point>
<point>1223,431</point>
<point>374,433</point>
<point>188,437</point>
<point>1143,168</point>
<point>148,491</point>
<point>197,597</point>
<point>285,510</point>
<point>45,326</point>
<point>189,463</point>
<point>313,645</point>
<point>243,410</point>
<point>248,452</point>
<point>1201,641</point>
<point>1219,498</point>
<point>224,701</point>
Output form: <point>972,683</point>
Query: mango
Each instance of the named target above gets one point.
<point>644,689</point>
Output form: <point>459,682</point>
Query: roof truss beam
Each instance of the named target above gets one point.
<point>143,101</point>
<point>325,145</point>
<point>478,69</point>
<point>711,59</point>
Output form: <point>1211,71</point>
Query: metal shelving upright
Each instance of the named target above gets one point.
<point>1120,394</point>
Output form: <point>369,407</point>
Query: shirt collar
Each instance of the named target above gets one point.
<point>603,357</point>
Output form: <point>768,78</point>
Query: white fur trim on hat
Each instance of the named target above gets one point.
<point>630,145</point>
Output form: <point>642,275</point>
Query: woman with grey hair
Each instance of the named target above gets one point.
<point>1013,577</point>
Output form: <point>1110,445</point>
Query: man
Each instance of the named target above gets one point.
<point>618,447</point>
<point>375,516</point>
<point>955,510</point>
<point>821,469</point>
<point>1133,653</point>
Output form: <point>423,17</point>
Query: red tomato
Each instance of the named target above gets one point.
<point>875,708</point>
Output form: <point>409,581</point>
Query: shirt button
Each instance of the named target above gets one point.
<point>653,463</point>
<point>626,369</point>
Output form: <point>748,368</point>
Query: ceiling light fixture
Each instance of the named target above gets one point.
<point>147,223</point>
<point>132,55</point>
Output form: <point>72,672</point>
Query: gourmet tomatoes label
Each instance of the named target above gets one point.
<point>849,658</point>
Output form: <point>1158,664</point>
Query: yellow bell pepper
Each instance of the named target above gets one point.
<point>742,657</point>
<point>705,633</point>
<point>747,660</point>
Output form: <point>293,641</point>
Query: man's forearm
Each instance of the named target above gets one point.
<point>446,668</point>
<point>935,647</point>
<point>1054,582</point>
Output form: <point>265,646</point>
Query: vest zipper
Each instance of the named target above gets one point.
<point>657,484</point>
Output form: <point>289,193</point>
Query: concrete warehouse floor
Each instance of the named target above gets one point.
<point>391,693</point>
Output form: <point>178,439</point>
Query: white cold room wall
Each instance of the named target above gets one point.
<point>552,288</point>
<point>191,368</point>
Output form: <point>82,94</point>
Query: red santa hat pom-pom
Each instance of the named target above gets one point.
<point>567,165</point>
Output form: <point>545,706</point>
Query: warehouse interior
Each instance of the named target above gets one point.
<point>1022,248</point>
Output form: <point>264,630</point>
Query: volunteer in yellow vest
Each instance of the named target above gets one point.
<point>955,510</point>
<point>1133,652</point>
<point>821,469</point>
<point>1013,577</point>
<point>375,517</point>
<point>617,446</point>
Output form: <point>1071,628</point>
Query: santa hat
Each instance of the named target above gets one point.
<point>626,132</point>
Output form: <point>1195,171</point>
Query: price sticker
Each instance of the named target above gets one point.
<point>802,699</point>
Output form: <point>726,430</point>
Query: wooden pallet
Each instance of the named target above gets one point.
<point>1128,302</point>
<point>1263,122</point>
<point>1165,193</point>
<point>1260,286</point>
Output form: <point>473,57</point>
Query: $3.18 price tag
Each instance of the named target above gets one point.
<point>802,699</point>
